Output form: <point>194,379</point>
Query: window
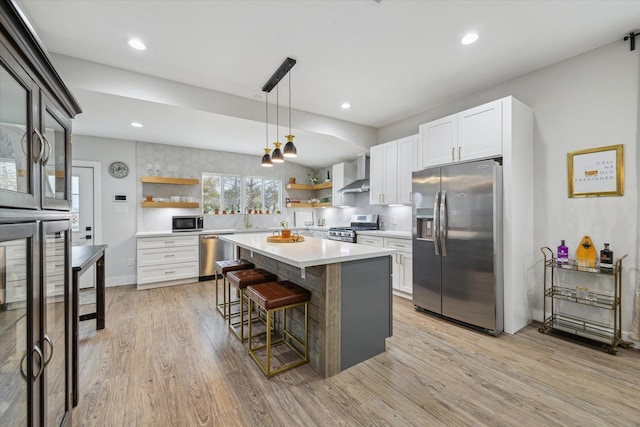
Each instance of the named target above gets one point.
<point>262,194</point>
<point>235,193</point>
<point>221,192</point>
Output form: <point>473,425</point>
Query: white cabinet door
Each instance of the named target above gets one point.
<point>376,175</point>
<point>343,174</point>
<point>406,268</point>
<point>390,182</point>
<point>480,132</point>
<point>438,142</point>
<point>406,159</point>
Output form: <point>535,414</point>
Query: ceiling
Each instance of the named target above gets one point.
<point>390,59</point>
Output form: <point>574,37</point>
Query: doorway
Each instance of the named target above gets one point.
<point>86,210</point>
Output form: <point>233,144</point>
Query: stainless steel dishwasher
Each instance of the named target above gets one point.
<point>212,249</point>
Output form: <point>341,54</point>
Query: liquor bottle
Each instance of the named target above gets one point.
<point>606,258</point>
<point>586,253</point>
<point>563,254</point>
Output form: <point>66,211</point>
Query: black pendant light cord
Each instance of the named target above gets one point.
<point>277,113</point>
<point>266,110</point>
<point>289,103</point>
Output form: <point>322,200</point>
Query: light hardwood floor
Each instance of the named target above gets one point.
<point>166,358</point>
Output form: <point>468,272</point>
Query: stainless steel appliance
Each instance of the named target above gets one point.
<point>212,249</point>
<point>358,222</point>
<point>361,184</point>
<point>187,223</point>
<point>457,243</point>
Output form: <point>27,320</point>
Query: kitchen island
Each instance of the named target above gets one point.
<point>350,312</point>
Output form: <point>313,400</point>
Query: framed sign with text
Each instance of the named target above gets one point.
<point>596,172</point>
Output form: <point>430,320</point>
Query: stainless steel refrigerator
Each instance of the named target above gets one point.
<point>457,243</point>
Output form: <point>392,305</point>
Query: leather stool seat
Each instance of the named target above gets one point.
<point>278,294</point>
<point>224,267</point>
<point>274,297</point>
<point>241,279</point>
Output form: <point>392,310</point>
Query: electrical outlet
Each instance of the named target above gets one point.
<point>394,220</point>
<point>131,262</point>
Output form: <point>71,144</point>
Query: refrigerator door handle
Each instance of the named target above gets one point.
<point>436,226</point>
<point>442,223</point>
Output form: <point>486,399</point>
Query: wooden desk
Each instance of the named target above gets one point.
<point>82,258</point>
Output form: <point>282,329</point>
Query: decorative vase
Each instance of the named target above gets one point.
<point>286,233</point>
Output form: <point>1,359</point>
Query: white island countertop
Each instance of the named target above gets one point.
<point>312,251</point>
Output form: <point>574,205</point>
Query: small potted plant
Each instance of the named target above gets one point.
<point>313,177</point>
<point>286,232</point>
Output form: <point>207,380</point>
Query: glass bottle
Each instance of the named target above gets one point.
<point>563,254</point>
<point>606,258</point>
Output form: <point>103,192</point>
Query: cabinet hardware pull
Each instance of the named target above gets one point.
<point>453,154</point>
<point>39,156</point>
<point>48,340</point>
<point>22,372</point>
<point>46,160</point>
<point>169,255</point>
<point>460,152</point>
<point>41,368</point>
<point>169,242</point>
<point>170,272</point>
<point>410,196</point>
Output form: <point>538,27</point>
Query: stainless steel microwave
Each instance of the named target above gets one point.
<point>187,223</point>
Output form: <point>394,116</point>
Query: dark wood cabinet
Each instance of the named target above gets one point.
<point>36,324</point>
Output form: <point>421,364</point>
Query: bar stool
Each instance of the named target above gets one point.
<point>224,267</point>
<point>241,279</point>
<point>272,298</point>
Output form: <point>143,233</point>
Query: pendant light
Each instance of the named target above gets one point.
<point>290,149</point>
<point>266,159</point>
<point>276,157</point>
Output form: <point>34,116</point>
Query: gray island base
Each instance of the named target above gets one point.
<point>350,312</point>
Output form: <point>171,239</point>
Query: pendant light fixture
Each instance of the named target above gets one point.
<point>266,159</point>
<point>276,157</point>
<point>289,149</point>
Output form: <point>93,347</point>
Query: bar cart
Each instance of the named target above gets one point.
<point>554,318</point>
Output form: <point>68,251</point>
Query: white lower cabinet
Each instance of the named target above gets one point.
<point>164,261</point>
<point>402,275</point>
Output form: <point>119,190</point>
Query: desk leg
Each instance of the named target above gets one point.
<point>74,345</point>
<point>100,317</point>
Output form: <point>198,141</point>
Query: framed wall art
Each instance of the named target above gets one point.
<point>596,172</point>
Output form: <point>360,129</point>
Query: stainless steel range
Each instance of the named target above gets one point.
<point>358,223</point>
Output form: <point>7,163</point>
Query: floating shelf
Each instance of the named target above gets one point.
<point>310,205</point>
<point>169,180</point>
<point>321,186</point>
<point>170,205</point>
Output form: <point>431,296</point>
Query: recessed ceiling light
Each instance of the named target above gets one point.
<point>469,38</point>
<point>345,105</point>
<point>136,124</point>
<point>137,44</point>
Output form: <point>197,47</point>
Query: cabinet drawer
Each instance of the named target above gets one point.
<point>401,244</point>
<point>370,240</point>
<point>166,272</point>
<point>163,255</point>
<point>167,242</point>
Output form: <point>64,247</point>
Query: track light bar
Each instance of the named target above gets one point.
<point>279,74</point>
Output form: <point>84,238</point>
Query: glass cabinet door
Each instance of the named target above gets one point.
<point>56,319</point>
<point>18,107</point>
<point>56,162</point>
<point>21,360</point>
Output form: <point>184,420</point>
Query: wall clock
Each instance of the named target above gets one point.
<point>118,169</point>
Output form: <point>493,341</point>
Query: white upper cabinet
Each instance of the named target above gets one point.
<point>480,132</point>
<point>471,134</point>
<point>438,142</point>
<point>343,174</point>
<point>391,167</point>
<point>407,163</point>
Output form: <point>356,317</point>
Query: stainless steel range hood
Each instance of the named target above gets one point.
<point>361,184</point>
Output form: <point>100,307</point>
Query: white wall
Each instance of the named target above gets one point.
<point>118,229</point>
<point>588,101</point>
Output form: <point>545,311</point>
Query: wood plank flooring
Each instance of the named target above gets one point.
<point>166,358</point>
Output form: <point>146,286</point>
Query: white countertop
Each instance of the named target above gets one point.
<point>220,231</point>
<point>313,251</point>
<point>386,233</point>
